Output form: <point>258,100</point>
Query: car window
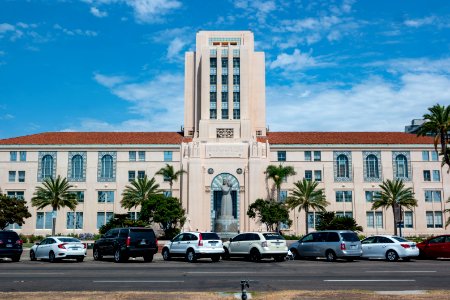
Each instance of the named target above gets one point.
<point>332,237</point>
<point>178,238</point>
<point>447,239</point>
<point>400,239</point>
<point>439,239</point>
<point>51,241</point>
<point>369,240</point>
<point>142,233</point>
<point>123,233</point>
<point>384,240</point>
<point>193,237</point>
<point>8,235</point>
<point>320,237</point>
<point>210,236</point>
<point>114,233</point>
<point>186,237</point>
<point>256,237</point>
<point>308,238</point>
<point>349,237</point>
<point>69,240</point>
<point>239,237</point>
<point>44,242</point>
<point>273,236</point>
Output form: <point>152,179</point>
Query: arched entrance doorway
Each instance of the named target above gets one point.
<point>225,203</point>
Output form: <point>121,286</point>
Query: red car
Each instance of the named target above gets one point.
<point>435,247</point>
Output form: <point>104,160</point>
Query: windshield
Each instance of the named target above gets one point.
<point>349,237</point>
<point>273,236</point>
<point>69,240</point>
<point>142,233</point>
<point>210,236</point>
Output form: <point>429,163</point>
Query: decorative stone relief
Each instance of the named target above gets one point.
<point>224,150</point>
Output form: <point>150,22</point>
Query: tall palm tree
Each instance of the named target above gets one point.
<point>394,194</point>
<point>139,191</point>
<point>170,175</point>
<point>306,195</point>
<point>54,193</point>
<point>447,210</point>
<point>278,174</point>
<point>437,123</point>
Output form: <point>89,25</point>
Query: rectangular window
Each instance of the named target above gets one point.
<point>281,155</point>
<point>408,219</point>
<point>374,219</point>
<point>13,155</point>
<point>74,220</point>
<point>103,218</point>
<point>307,155</point>
<point>312,220</point>
<point>283,195</point>
<point>343,196</point>
<point>212,79</point>
<point>23,155</point>
<point>213,62</point>
<point>434,219</point>
<point>12,176</point>
<point>426,175</point>
<point>318,175</point>
<point>236,97</point>
<point>370,219</point>
<point>167,193</point>
<point>21,176</point>
<point>317,156</point>
<point>344,214</point>
<point>370,195</point>
<point>224,62</point>
<point>141,174</point>
<point>236,114</point>
<point>213,114</point>
<point>141,155</point>
<point>16,194</point>
<point>224,114</point>
<point>44,220</point>
<point>79,196</point>
<point>213,97</point>
<point>133,215</point>
<point>105,196</point>
<point>436,175</point>
<point>432,196</point>
<point>167,155</point>
<point>434,156</point>
<point>132,155</point>
<point>13,226</point>
<point>425,156</point>
<point>308,175</point>
<point>131,176</point>
<point>224,78</point>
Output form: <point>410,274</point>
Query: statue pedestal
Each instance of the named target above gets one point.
<point>226,224</point>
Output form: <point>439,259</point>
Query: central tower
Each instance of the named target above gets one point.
<point>224,87</point>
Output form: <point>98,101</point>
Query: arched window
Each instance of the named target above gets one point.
<point>47,166</point>
<point>372,166</point>
<point>342,166</point>
<point>401,163</point>
<point>77,167</point>
<point>107,166</point>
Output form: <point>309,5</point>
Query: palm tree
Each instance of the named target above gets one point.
<point>139,191</point>
<point>448,211</point>
<point>278,174</point>
<point>306,195</point>
<point>170,175</point>
<point>437,123</point>
<point>54,193</point>
<point>394,194</point>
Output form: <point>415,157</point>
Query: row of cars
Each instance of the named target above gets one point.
<point>123,243</point>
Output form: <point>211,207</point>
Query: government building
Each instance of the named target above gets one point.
<point>225,148</point>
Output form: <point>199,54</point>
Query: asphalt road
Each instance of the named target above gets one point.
<point>177,275</point>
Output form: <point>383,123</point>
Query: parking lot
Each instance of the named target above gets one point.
<point>205,275</point>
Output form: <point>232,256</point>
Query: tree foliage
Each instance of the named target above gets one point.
<point>119,221</point>
<point>329,221</point>
<point>170,175</point>
<point>394,194</point>
<point>56,194</point>
<point>138,192</point>
<point>166,211</point>
<point>306,196</point>
<point>270,213</point>
<point>278,174</point>
<point>437,123</point>
<point>12,210</point>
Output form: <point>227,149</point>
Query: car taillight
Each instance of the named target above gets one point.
<point>84,245</point>
<point>1,242</point>
<point>62,246</point>
<point>264,244</point>
<point>19,242</point>
<point>343,246</point>
<point>406,246</point>
<point>128,241</point>
<point>156,242</point>
<point>200,240</point>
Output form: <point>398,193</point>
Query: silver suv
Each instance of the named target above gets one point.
<point>331,244</point>
<point>194,245</point>
<point>256,245</point>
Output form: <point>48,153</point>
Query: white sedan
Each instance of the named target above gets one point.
<point>389,247</point>
<point>55,248</point>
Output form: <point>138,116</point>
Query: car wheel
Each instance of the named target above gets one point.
<point>118,257</point>
<point>215,258</point>
<point>80,259</point>
<point>279,258</point>
<point>295,254</point>
<point>226,254</point>
<point>166,254</point>
<point>255,256</point>
<point>15,258</point>
<point>391,255</point>
<point>51,257</point>
<point>97,255</point>
<point>330,255</point>
<point>148,258</point>
<point>32,255</point>
<point>190,256</point>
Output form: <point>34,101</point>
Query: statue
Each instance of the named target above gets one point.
<point>226,209</point>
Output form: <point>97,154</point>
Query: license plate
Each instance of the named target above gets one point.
<point>352,246</point>
<point>8,245</point>
<point>75,248</point>
<point>213,243</point>
<point>142,243</point>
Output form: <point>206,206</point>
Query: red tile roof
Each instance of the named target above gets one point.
<point>353,138</point>
<point>96,138</point>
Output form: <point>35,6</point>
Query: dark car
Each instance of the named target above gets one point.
<point>124,243</point>
<point>10,245</point>
<point>438,246</point>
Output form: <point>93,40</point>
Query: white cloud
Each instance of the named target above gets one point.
<point>109,81</point>
<point>296,61</point>
<point>258,9</point>
<point>175,48</point>
<point>5,27</point>
<point>420,22</point>
<point>151,11</point>
<point>98,13</point>
<point>75,32</point>
<point>414,65</point>
<point>176,41</point>
<point>6,117</point>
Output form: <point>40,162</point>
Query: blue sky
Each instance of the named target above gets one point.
<point>117,65</point>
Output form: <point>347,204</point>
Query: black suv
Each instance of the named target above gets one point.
<point>124,243</point>
<point>10,245</point>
